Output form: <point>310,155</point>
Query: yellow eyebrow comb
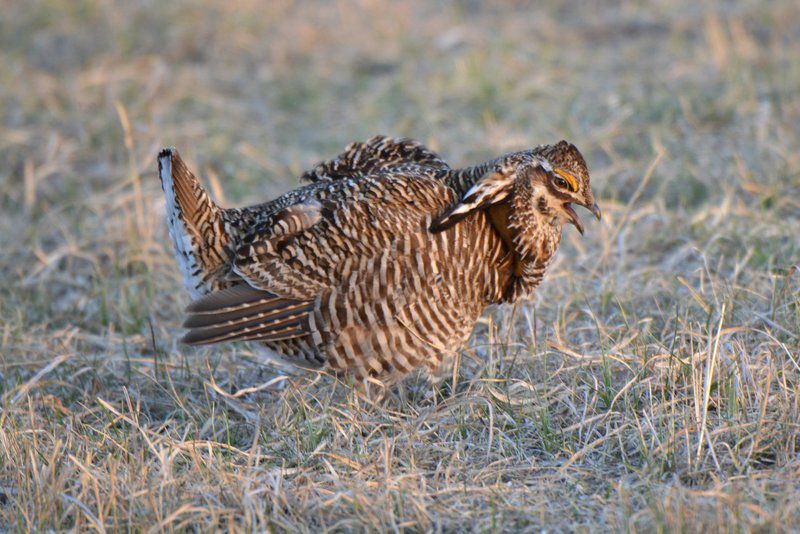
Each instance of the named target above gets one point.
<point>573,183</point>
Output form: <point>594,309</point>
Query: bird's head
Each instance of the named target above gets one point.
<point>542,184</point>
<point>565,183</point>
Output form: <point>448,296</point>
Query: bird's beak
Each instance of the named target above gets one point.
<point>595,209</point>
<point>573,217</point>
<point>575,220</point>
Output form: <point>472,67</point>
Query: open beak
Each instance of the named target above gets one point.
<point>574,219</point>
<point>595,209</point>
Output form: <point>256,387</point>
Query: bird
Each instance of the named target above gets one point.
<point>382,263</point>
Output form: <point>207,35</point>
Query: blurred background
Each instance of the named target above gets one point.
<point>253,93</point>
<point>687,113</point>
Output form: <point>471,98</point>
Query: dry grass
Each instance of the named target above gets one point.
<point>653,383</point>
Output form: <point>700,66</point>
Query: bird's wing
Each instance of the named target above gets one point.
<point>310,249</point>
<point>244,313</point>
<point>376,154</point>
<point>491,189</point>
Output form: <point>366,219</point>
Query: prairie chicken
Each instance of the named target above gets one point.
<point>383,263</point>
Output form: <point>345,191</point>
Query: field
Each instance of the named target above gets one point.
<point>652,384</point>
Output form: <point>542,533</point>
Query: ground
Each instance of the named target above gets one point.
<point>652,383</point>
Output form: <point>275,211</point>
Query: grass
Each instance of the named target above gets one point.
<point>653,383</point>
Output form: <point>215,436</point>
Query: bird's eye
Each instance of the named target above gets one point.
<point>562,183</point>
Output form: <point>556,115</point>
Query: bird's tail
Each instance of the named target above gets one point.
<point>196,226</point>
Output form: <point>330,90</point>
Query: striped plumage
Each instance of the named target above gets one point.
<point>380,153</point>
<point>383,263</point>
